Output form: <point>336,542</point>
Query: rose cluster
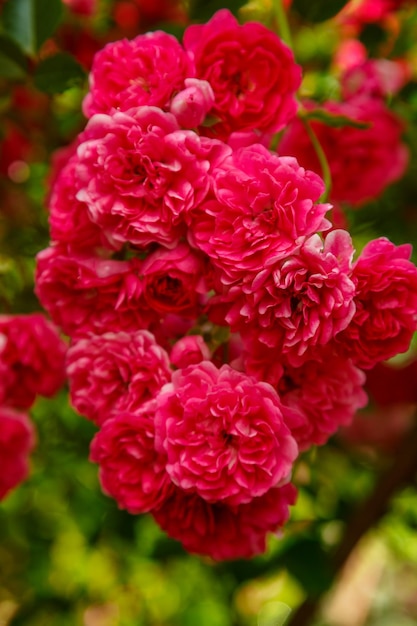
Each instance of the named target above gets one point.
<point>216,329</point>
<point>32,362</point>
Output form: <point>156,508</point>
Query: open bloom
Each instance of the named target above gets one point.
<point>32,359</point>
<point>115,372</point>
<point>299,302</point>
<point>265,208</point>
<point>146,70</point>
<point>139,174</point>
<point>221,531</point>
<point>386,304</point>
<point>252,73</point>
<point>17,439</point>
<point>131,471</point>
<point>224,434</point>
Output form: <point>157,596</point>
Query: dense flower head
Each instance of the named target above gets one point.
<point>386,304</point>
<point>89,294</point>
<point>32,359</point>
<point>115,372</point>
<point>252,73</point>
<point>146,70</point>
<point>131,470</point>
<point>189,350</point>
<point>138,174</point>
<point>17,439</point>
<point>265,207</point>
<point>224,434</point>
<point>301,301</point>
<point>350,151</point>
<point>221,531</point>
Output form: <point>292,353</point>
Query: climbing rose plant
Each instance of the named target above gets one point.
<point>219,324</point>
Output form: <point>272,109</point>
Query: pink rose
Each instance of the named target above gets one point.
<point>386,304</point>
<point>32,359</point>
<point>191,105</point>
<point>221,531</point>
<point>252,73</point>
<point>138,177</point>
<point>146,70</point>
<point>376,150</point>
<point>324,395</point>
<point>131,471</point>
<point>86,294</point>
<point>174,281</point>
<point>300,302</point>
<point>224,434</point>
<point>115,372</point>
<point>265,207</point>
<point>69,220</point>
<point>189,350</point>
<point>17,439</point>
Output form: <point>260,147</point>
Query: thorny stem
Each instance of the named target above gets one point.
<point>402,472</point>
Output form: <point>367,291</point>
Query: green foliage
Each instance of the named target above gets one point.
<point>13,64</point>
<point>57,73</point>
<point>318,10</point>
<point>31,22</point>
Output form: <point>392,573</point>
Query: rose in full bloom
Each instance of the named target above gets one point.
<point>17,439</point>
<point>252,73</point>
<point>224,434</point>
<point>131,471</point>
<point>174,281</point>
<point>32,359</point>
<point>265,207</point>
<point>376,150</point>
<point>301,301</point>
<point>146,70</point>
<point>386,304</point>
<point>115,372</point>
<point>86,294</point>
<point>138,177</point>
<point>325,395</point>
<point>221,531</point>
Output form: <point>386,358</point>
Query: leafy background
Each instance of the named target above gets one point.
<point>68,556</point>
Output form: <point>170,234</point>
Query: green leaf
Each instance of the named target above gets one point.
<point>332,119</point>
<point>31,22</point>
<point>13,64</point>
<point>203,10</point>
<point>58,73</point>
<point>306,560</point>
<point>317,10</point>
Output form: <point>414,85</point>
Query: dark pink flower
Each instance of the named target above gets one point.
<point>252,73</point>
<point>221,531</point>
<point>138,177</point>
<point>115,372</point>
<point>376,150</point>
<point>131,471</point>
<point>32,359</point>
<point>17,439</point>
<point>224,434</point>
<point>189,350</point>
<point>69,220</point>
<point>299,302</point>
<point>324,395</point>
<point>88,294</point>
<point>146,70</point>
<point>265,207</point>
<point>174,281</point>
<point>386,304</point>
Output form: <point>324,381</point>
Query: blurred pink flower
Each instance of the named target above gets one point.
<point>17,438</point>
